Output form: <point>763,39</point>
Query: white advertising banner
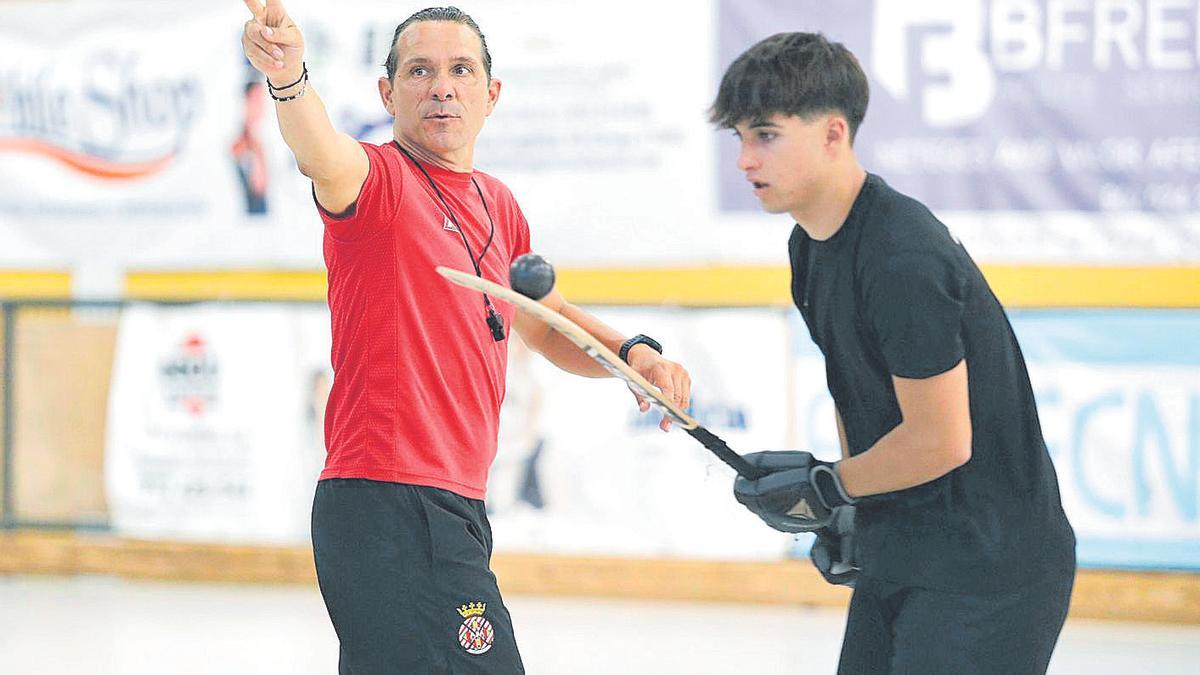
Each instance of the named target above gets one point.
<point>119,148</point>
<point>112,155</point>
<point>216,418</point>
<point>214,422</point>
<point>216,413</point>
<point>581,471</point>
<point>132,134</point>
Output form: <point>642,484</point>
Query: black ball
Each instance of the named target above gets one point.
<point>531,275</point>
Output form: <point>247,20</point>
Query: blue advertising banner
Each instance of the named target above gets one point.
<point>1009,105</point>
<point>1118,396</point>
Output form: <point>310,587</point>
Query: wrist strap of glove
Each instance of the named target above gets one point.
<point>829,486</point>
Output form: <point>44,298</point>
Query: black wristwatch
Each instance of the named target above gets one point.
<point>638,340</point>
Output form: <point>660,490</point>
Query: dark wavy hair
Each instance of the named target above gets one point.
<point>452,14</point>
<point>801,74</point>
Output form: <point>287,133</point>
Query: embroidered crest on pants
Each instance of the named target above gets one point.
<point>476,634</point>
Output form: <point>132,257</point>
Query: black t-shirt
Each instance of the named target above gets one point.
<point>892,293</point>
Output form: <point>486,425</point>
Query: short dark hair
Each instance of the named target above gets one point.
<point>800,74</point>
<point>452,14</point>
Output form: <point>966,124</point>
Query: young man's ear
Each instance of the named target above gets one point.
<point>837,130</point>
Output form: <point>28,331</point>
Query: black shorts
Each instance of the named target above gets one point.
<point>404,570</point>
<point>902,630</point>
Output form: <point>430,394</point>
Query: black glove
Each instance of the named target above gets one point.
<point>798,494</point>
<point>833,551</point>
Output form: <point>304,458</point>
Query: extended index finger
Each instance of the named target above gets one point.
<point>254,6</point>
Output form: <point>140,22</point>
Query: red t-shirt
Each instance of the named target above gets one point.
<point>418,379</point>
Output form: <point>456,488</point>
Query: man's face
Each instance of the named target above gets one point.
<point>785,159</point>
<point>440,93</point>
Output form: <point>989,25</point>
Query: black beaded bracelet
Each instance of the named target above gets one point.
<point>303,82</point>
<point>302,78</point>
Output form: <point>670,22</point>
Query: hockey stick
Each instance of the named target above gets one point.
<point>612,363</point>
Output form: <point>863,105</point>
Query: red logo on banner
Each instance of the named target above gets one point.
<point>190,376</point>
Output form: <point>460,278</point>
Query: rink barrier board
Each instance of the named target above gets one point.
<point>1164,597</point>
<point>719,286</point>
<point>55,465</point>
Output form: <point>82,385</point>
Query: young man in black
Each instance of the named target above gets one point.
<point>962,558</point>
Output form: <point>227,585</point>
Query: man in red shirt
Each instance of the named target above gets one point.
<point>400,535</point>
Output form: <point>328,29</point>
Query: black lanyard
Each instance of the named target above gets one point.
<point>494,321</point>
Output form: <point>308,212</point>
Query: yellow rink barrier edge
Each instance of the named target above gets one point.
<point>226,285</point>
<point>34,284</point>
<point>721,286</point>
<point>1166,597</point>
